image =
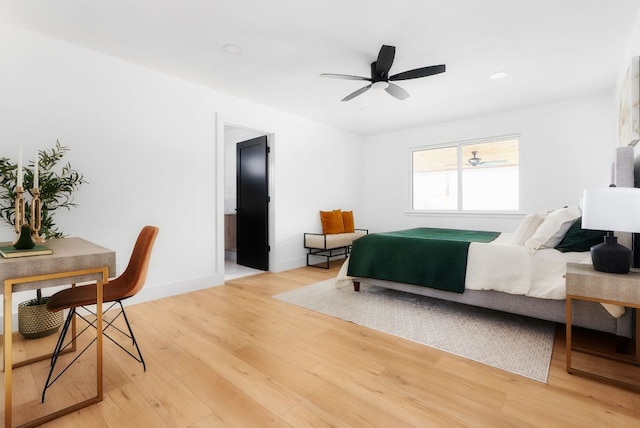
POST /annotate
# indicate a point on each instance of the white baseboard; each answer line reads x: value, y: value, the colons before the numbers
x: 159, y: 291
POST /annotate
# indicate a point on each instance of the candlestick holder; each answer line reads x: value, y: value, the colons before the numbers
x: 19, y: 209
x: 36, y: 216
x: 24, y: 241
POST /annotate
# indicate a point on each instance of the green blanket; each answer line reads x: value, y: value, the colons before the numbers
x: 435, y: 258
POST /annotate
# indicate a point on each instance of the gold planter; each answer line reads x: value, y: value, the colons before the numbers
x: 36, y: 321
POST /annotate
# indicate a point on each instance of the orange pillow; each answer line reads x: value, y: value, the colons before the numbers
x: 347, y: 221
x: 331, y: 222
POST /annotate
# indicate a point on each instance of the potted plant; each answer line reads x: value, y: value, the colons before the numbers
x: 56, y: 187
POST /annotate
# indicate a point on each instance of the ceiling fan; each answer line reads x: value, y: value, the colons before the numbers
x: 475, y: 160
x: 380, y: 78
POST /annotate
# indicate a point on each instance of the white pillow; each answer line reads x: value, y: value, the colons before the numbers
x: 553, y: 228
x: 527, y: 228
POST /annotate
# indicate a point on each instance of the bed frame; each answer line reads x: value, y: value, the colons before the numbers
x: 585, y: 314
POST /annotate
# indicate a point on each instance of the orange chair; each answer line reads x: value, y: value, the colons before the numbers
x: 126, y: 285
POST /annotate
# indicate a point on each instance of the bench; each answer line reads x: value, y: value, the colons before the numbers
x: 327, y: 246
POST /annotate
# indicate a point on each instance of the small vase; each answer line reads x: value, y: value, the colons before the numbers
x: 25, y: 240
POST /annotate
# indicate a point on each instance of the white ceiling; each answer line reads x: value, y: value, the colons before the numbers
x: 552, y: 50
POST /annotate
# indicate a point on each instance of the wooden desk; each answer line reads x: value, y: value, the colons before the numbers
x: 73, y: 260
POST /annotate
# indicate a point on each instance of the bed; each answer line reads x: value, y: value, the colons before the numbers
x: 479, y: 274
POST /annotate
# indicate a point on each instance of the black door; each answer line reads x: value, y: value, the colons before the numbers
x: 252, y: 204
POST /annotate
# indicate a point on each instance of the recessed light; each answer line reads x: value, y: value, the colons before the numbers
x: 232, y: 48
x: 499, y: 75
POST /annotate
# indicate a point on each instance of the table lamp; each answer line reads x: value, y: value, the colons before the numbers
x: 612, y: 209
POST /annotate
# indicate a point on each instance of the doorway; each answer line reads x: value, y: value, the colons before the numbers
x: 240, y: 242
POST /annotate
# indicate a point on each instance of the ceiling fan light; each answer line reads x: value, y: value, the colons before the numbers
x: 474, y: 160
x: 380, y: 85
x: 232, y: 48
x: 498, y: 75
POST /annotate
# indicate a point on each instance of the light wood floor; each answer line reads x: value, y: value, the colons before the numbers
x: 233, y: 356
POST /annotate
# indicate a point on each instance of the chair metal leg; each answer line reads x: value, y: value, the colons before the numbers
x: 58, y: 348
x: 133, y: 338
x: 61, y: 347
x: 60, y: 344
x: 130, y: 335
x: 63, y: 334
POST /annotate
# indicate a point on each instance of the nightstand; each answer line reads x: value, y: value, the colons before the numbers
x: 585, y: 283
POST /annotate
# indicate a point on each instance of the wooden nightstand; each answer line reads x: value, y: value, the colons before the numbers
x: 585, y: 283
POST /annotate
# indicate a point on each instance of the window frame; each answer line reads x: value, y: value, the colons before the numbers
x: 459, y: 211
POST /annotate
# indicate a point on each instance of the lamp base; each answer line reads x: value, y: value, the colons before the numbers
x: 610, y: 256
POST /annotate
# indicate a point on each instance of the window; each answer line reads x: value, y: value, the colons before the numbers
x: 469, y: 176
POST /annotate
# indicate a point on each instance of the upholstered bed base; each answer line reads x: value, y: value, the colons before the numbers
x: 585, y: 314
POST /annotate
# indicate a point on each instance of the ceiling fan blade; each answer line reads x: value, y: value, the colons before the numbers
x: 397, y: 92
x: 385, y: 59
x: 356, y: 93
x: 344, y: 76
x: 419, y: 72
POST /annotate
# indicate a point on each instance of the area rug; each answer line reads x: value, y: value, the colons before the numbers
x: 509, y: 342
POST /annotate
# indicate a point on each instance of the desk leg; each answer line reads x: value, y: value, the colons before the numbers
x: 7, y: 353
x: 8, y: 289
x: 568, y: 336
x: 99, y: 371
x: 635, y: 334
x: 99, y: 291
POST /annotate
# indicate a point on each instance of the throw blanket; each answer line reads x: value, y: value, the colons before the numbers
x: 435, y: 258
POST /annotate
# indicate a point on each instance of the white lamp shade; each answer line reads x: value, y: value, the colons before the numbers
x: 613, y: 209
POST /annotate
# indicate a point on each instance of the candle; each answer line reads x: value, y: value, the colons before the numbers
x: 19, y: 179
x: 36, y: 180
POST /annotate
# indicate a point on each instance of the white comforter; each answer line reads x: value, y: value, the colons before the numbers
x: 512, y: 269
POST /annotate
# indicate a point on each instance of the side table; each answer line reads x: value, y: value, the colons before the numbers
x: 585, y: 283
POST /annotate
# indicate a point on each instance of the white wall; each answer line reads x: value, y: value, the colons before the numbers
x: 564, y: 148
x: 632, y: 50
x: 146, y: 143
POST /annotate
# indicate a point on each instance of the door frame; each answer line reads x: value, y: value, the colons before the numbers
x: 220, y: 123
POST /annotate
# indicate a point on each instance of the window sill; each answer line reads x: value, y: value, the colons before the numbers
x: 468, y: 214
